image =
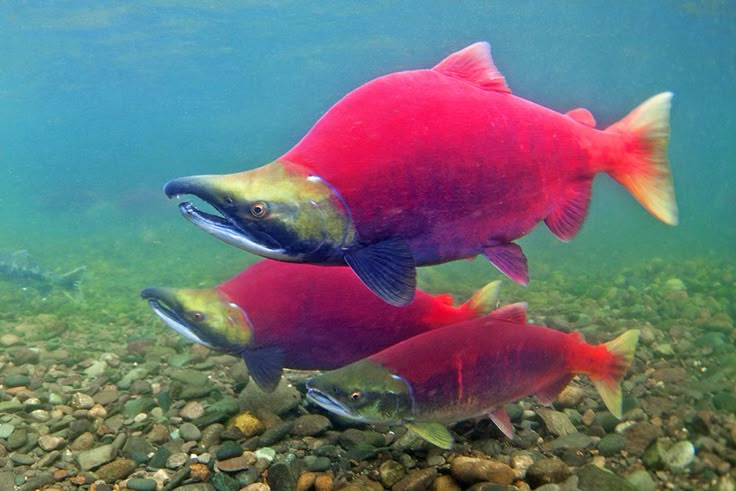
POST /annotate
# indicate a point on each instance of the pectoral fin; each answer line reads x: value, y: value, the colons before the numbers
x: 510, y: 260
x: 387, y: 269
x: 265, y: 366
x: 434, y: 433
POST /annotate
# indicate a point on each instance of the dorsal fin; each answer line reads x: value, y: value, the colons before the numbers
x: 582, y: 116
x: 515, y: 312
x: 474, y: 65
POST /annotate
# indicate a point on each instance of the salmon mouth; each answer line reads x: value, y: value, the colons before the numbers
x: 160, y: 302
x: 330, y: 404
x: 229, y: 232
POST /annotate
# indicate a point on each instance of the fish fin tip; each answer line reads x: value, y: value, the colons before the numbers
x: 387, y: 268
x: 515, y: 312
x: 485, y: 300
x: 474, y: 64
x: 645, y: 170
x: 582, y: 116
x: 549, y: 393
x: 565, y: 220
x: 435, y: 433
x: 608, y: 384
x: 510, y: 260
x: 265, y: 366
x: 501, y: 419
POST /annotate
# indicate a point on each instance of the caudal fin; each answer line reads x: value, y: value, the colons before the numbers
x: 644, y: 170
x: 72, y: 280
x: 484, y: 300
x: 608, y: 381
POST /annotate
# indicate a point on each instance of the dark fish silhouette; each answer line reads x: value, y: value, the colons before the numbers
x: 16, y: 268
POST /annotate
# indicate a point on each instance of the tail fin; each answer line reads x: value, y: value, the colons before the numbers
x: 645, y: 171
x: 72, y: 280
x: 608, y: 384
x: 484, y: 300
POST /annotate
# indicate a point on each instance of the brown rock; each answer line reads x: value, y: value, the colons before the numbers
x: 639, y: 436
x: 419, y: 480
x: 445, y: 483
x: 469, y: 470
x: 306, y: 481
x: 238, y: 463
x: 547, y: 471
x: 116, y: 470
x: 570, y: 397
x: 324, y: 482
x: 200, y: 472
x: 671, y: 375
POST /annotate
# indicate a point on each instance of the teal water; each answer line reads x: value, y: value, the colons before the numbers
x: 101, y: 103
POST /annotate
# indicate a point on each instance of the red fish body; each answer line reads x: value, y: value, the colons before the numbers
x: 471, y: 369
x: 301, y: 316
x: 428, y: 166
x: 451, y: 161
x: 324, y: 318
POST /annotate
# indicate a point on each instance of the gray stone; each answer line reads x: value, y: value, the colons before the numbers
x: 611, y: 444
x: 6, y: 429
x: 189, y: 432
x: 311, y: 425
x: 228, y: 450
x: 38, y: 482
x: 639, y: 436
x: 106, y: 396
x: 280, y: 477
x: 7, y: 480
x: 176, y: 460
x: 285, y: 398
x: 188, y: 376
x: 22, y: 458
x: 593, y: 477
x: 220, y: 411
x: 137, y: 448
x: 138, y: 484
x: 82, y: 401
x: 50, y: 442
x: 556, y: 422
x: 17, y: 380
x: 192, y: 410
x: 17, y: 439
x: 276, y: 433
x: 391, y: 472
x: 135, y: 374
x: 641, y: 480
x: 575, y: 440
x: 317, y: 464
x: 95, y: 457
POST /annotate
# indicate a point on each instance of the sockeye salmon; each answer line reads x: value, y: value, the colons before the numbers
x: 469, y: 370
x: 424, y: 167
x: 301, y: 316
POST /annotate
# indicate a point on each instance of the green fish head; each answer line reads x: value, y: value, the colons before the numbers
x: 364, y: 391
x: 279, y: 211
x: 205, y: 316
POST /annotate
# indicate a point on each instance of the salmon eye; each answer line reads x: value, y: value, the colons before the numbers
x: 355, y: 395
x: 228, y: 201
x: 259, y: 209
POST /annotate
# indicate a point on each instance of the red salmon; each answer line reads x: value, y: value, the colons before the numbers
x: 301, y: 316
x: 428, y: 166
x: 469, y: 370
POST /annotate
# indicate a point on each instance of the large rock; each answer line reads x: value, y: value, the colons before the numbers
x: 470, y: 470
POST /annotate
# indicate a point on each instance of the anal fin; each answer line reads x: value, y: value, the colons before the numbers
x: 550, y: 392
x: 387, y: 268
x: 565, y: 220
x: 510, y: 260
x: 500, y: 418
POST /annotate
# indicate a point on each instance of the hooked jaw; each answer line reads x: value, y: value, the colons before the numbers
x: 278, y: 211
x: 204, y: 316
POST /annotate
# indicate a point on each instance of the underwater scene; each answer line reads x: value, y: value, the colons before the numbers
x: 282, y: 245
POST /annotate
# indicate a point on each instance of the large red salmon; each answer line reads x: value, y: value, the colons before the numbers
x: 468, y: 370
x: 428, y: 166
x: 277, y: 315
